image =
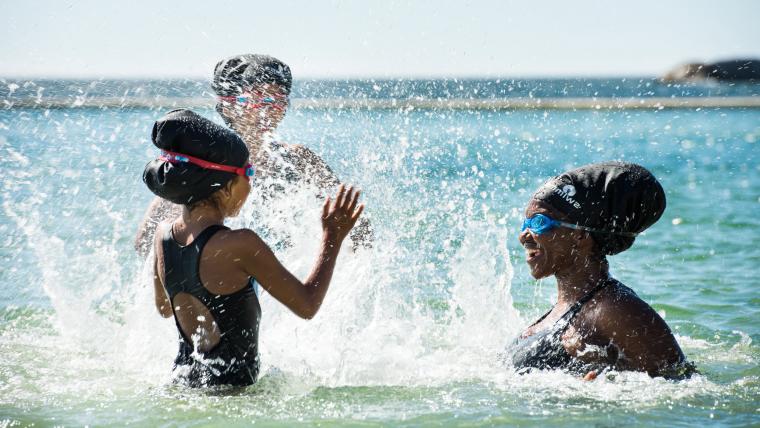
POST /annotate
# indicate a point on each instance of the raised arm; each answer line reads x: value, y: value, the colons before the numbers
x: 304, y: 299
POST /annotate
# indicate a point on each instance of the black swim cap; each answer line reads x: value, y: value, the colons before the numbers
x: 183, y: 131
x: 614, y: 197
x: 236, y: 74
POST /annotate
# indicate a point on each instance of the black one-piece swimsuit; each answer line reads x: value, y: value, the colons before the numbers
x: 235, y: 359
x: 544, y: 349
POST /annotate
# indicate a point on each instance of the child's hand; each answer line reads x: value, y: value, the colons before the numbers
x: 340, y: 216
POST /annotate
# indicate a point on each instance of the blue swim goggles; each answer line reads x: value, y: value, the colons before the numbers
x: 540, y: 224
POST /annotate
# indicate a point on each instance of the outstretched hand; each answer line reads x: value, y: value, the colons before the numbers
x: 339, y: 215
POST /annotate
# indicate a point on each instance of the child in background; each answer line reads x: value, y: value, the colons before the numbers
x: 253, y: 96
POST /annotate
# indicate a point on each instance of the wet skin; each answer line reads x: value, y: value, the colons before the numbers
x: 253, y: 123
x: 257, y: 118
x: 553, y: 251
x: 232, y: 257
x: 615, y: 328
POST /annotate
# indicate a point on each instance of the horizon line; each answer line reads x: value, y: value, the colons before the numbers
x: 408, y: 104
x: 347, y: 77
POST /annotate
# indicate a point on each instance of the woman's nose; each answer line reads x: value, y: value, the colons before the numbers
x: 524, y: 236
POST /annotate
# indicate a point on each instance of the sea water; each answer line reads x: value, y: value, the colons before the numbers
x: 411, y: 329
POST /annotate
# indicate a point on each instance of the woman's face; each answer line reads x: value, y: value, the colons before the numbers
x: 551, y: 252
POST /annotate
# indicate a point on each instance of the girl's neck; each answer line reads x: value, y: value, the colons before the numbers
x: 572, y: 286
x: 198, y: 219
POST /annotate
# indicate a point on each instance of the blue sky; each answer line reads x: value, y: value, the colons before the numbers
x: 370, y: 38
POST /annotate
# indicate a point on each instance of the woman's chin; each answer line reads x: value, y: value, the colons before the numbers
x: 538, y: 275
x: 537, y: 272
x: 540, y: 265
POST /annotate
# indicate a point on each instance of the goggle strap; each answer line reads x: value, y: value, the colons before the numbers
x: 591, y: 229
x: 243, y: 100
x: 179, y: 157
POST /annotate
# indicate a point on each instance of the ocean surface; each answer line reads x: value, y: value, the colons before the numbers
x: 14, y: 89
x: 411, y: 330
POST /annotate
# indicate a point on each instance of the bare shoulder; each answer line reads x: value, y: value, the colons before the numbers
x: 302, y: 152
x: 305, y: 153
x: 618, y: 302
x: 236, y: 241
x: 614, y: 295
x: 622, y: 300
x: 619, y: 312
x: 297, y: 147
x: 312, y: 167
x: 296, y: 154
x: 239, y: 250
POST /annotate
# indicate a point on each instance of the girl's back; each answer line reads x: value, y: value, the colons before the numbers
x: 218, y: 320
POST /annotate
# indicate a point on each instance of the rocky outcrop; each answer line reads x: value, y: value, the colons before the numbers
x: 738, y: 70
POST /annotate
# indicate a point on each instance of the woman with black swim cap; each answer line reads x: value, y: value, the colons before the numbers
x: 207, y: 275
x: 572, y: 223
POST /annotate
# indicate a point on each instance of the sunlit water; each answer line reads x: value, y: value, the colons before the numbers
x: 411, y: 329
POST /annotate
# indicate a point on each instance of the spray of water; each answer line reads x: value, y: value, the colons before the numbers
x: 429, y: 305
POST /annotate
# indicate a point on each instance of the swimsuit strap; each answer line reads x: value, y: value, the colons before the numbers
x: 575, y: 306
x: 182, y: 264
x: 564, y: 321
x: 545, y: 349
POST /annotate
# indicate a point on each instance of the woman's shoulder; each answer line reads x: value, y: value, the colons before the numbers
x: 637, y: 330
x: 617, y: 295
x: 618, y: 302
x: 619, y: 307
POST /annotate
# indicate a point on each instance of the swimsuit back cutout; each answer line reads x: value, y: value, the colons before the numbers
x: 234, y: 359
x: 544, y: 349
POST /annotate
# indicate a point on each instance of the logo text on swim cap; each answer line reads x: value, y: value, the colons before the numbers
x: 567, y: 192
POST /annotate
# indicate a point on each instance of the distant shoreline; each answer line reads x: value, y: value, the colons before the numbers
x: 516, y: 103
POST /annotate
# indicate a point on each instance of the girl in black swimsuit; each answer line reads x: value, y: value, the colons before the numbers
x: 573, y: 222
x: 207, y: 275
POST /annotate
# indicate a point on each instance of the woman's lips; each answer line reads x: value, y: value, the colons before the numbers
x: 532, y: 255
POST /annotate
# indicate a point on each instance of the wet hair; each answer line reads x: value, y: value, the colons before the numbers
x: 619, y: 199
x: 186, y: 132
x: 240, y: 73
